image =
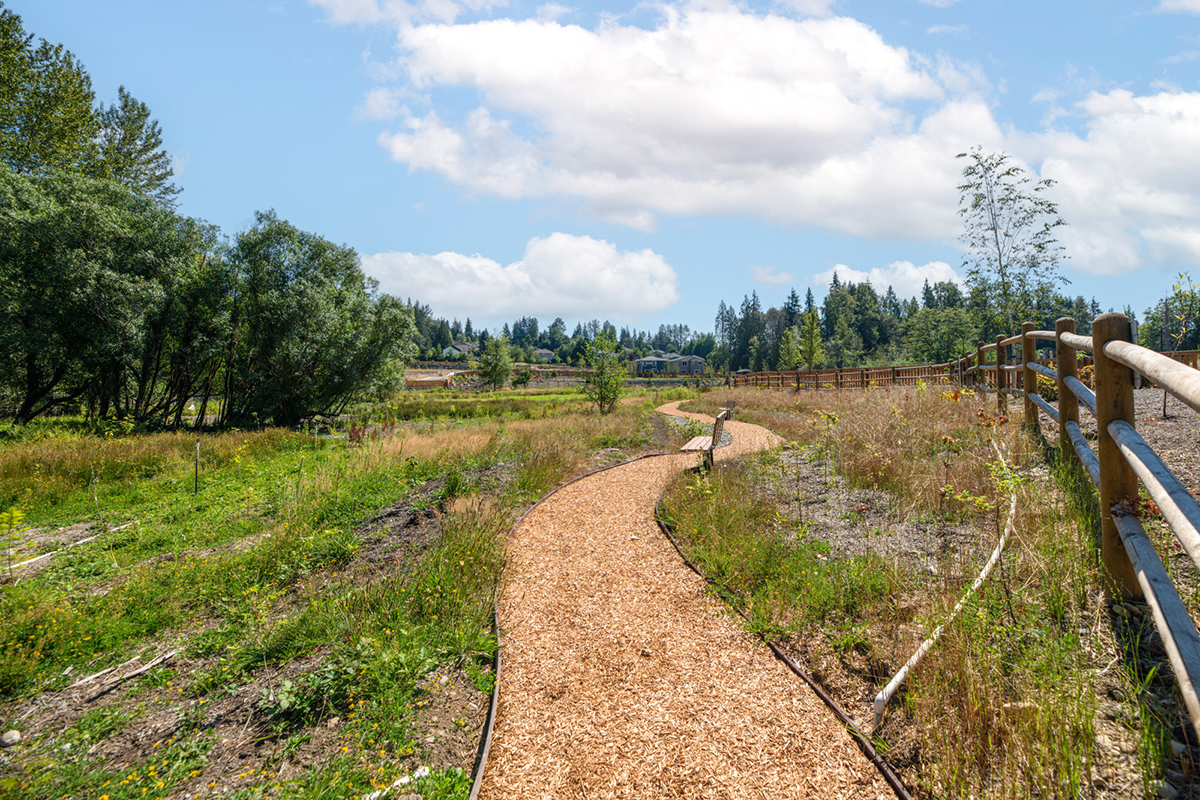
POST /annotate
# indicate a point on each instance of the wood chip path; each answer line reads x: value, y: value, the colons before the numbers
x: 622, y: 678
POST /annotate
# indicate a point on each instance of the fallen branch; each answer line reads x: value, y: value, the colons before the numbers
x: 134, y: 674
x: 101, y: 673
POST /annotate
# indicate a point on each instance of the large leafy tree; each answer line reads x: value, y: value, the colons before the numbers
x: 86, y: 268
x: 1008, y: 229
x: 131, y: 148
x: 47, y: 116
x: 308, y: 330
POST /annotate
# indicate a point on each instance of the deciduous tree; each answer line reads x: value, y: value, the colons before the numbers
x: 309, y: 331
x: 606, y: 378
x: 131, y: 149
x: 47, y: 117
x: 1009, y: 233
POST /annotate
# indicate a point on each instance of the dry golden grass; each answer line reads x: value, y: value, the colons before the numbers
x: 910, y: 441
x: 1005, y: 704
x: 43, y: 471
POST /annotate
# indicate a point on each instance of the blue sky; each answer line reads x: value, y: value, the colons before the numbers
x: 642, y: 162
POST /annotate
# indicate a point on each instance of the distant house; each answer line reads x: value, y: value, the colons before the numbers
x: 460, y: 349
x: 542, y: 354
x: 651, y: 364
x: 671, y: 363
x: 686, y: 365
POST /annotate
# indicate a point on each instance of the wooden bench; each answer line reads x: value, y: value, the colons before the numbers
x: 728, y: 409
x: 706, y: 444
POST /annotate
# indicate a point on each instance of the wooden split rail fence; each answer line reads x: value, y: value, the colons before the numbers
x: 871, y: 377
x: 1121, y: 459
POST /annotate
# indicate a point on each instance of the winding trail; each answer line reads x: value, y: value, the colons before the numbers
x: 623, y: 678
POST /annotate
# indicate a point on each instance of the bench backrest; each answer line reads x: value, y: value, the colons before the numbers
x: 718, y: 426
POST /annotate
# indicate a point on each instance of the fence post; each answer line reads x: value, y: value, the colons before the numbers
x: 862, y: 377
x: 1068, y: 403
x: 980, y: 375
x: 1028, y: 378
x: 1001, y: 377
x: 1114, y: 400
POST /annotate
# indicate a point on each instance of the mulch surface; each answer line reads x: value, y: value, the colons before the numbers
x: 623, y: 678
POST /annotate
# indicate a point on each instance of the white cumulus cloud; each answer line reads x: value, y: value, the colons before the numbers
x: 809, y: 120
x: 714, y: 110
x: 905, y: 277
x: 560, y: 275
x: 1128, y: 185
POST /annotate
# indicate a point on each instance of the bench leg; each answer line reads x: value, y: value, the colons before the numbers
x: 708, y: 459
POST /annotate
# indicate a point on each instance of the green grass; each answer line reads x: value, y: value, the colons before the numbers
x: 450, y: 404
x: 761, y: 562
x: 262, y: 568
x: 1004, y: 705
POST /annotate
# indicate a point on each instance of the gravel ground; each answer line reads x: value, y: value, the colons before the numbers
x: 1175, y: 438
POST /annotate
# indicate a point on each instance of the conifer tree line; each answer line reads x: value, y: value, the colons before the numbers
x: 856, y: 326
x: 113, y: 303
x: 525, y: 336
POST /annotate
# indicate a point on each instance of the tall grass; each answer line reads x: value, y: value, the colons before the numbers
x: 274, y: 508
x: 263, y: 567
x: 760, y: 560
x: 928, y: 445
x: 42, y: 472
x: 1004, y: 705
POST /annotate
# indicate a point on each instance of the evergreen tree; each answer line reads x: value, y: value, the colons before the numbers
x: 789, y: 352
x: 927, y: 298
x: 791, y: 309
x: 749, y: 326
x: 811, y: 352
x: 891, y: 303
x: 495, y: 363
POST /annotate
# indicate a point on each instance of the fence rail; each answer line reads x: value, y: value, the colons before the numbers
x: 971, y: 364
x: 1121, y: 459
